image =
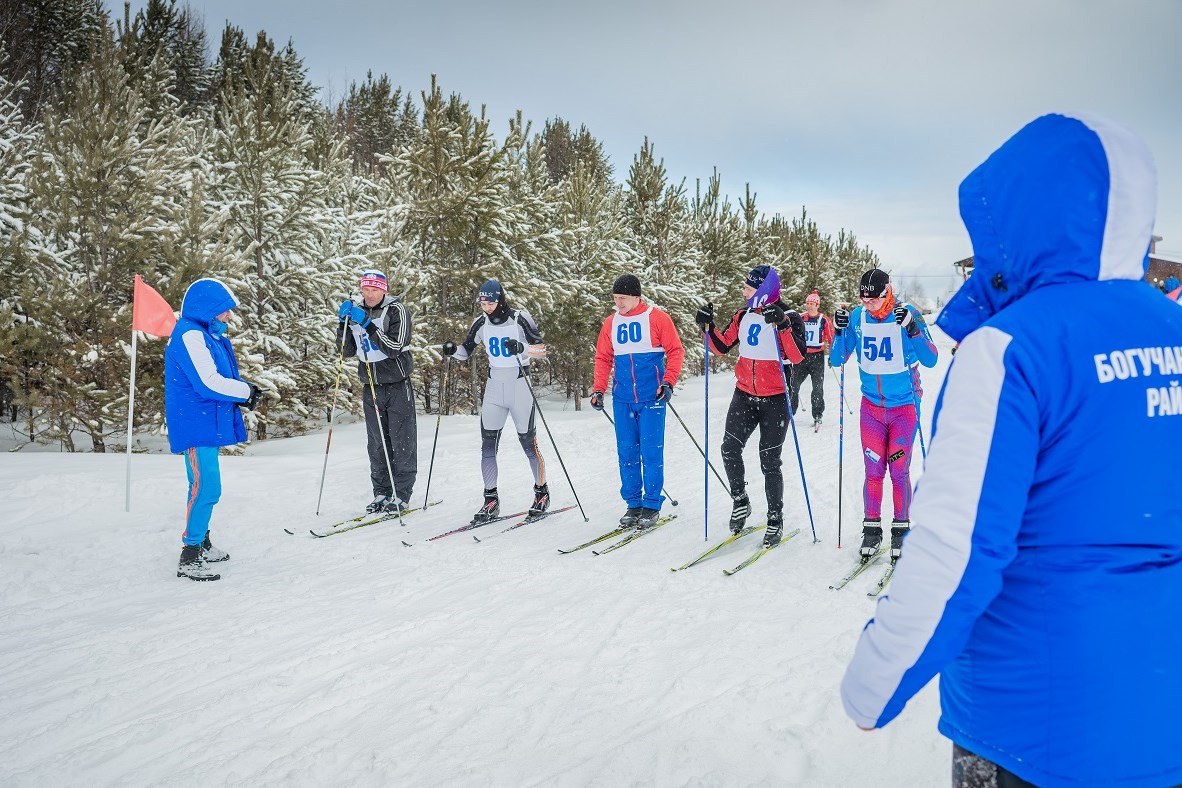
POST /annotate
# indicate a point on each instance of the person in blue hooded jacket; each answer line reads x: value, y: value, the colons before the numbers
x: 202, y: 392
x: 1042, y: 575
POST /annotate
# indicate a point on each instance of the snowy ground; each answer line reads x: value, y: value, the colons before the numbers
x: 357, y: 661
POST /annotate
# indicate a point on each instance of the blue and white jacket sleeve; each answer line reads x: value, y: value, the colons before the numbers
x: 922, y: 345
x: 202, y: 372
x: 966, y: 517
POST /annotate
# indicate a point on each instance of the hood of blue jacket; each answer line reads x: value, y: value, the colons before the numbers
x: 206, y: 299
x: 1066, y: 199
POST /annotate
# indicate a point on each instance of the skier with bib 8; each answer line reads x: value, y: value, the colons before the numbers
x: 891, y: 340
x: 511, y: 339
x: 766, y: 334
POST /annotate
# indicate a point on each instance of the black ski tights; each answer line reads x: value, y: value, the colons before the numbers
x: 746, y: 413
x: 973, y: 771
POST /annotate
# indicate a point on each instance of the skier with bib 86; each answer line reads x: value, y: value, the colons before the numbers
x: 890, y: 338
x: 766, y: 334
x: 511, y: 338
x: 640, y: 345
x: 379, y: 335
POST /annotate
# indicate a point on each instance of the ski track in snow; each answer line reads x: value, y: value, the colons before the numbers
x: 358, y: 661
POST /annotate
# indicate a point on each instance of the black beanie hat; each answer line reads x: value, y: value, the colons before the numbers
x: 627, y: 284
x: 874, y: 283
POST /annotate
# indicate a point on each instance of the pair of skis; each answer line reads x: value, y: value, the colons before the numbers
x: 759, y: 553
x: 629, y: 533
x: 480, y: 524
x: 361, y: 521
x: 862, y: 566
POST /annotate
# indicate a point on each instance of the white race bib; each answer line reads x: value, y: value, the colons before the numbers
x: 367, y: 350
x: 494, y: 343
x: 882, y: 351
x: 757, y: 339
x: 812, y: 332
x: 632, y: 334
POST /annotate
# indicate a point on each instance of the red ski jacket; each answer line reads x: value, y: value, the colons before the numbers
x: 760, y: 378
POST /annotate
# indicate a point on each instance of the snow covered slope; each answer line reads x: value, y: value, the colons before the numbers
x: 357, y: 661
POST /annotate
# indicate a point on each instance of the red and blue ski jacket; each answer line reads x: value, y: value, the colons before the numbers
x: 643, y: 351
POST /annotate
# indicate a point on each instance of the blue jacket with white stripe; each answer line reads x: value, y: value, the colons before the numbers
x: 1044, y: 569
x: 201, y: 383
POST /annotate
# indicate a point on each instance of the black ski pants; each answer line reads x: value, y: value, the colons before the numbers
x: 972, y: 771
x: 813, y: 366
x: 398, y: 433
x: 746, y: 413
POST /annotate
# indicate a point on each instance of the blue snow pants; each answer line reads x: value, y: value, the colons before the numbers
x: 640, y: 444
x: 205, y: 488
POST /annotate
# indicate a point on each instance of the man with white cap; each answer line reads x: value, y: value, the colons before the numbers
x: 379, y: 336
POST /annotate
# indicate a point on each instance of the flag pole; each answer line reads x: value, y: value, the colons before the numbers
x: 130, y: 417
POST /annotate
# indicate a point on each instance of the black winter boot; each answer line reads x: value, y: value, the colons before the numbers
x: 871, y: 537
x: 740, y: 511
x: 211, y: 554
x: 541, y: 500
x: 490, y: 509
x: 192, y: 567
x: 775, y: 529
x: 899, y: 529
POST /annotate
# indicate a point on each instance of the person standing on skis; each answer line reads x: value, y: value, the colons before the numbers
x: 201, y: 391
x: 511, y: 338
x: 379, y: 335
x: 891, y: 339
x: 640, y: 345
x: 818, y: 337
x: 766, y: 334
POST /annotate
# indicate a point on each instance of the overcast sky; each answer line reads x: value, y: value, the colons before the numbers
x: 867, y: 113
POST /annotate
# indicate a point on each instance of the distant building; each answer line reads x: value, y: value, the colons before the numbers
x: 1161, y: 266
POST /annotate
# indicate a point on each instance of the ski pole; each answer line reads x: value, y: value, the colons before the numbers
x: 550, y: 435
x: 382, y: 436
x: 796, y: 440
x: 332, y: 411
x: 706, y: 438
x: 840, y: 383
x: 672, y: 500
x: 709, y: 464
x: 840, y: 447
x: 919, y: 423
x: 438, y: 418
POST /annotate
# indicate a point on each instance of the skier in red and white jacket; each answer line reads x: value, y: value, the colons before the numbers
x: 766, y: 334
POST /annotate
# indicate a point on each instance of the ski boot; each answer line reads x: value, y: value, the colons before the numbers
x: 378, y: 504
x: 775, y: 529
x: 871, y: 537
x: 628, y: 520
x: 396, y: 506
x: 541, y: 500
x: 490, y: 509
x: 211, y: 554
x: 899, y: 529
x: 817, y: 424
x: 740, y: 511
x: 647, y: 518
x: 192, y: 567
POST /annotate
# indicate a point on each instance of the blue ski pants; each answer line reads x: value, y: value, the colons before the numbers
x: 205, y: 489
x: 640, y: 444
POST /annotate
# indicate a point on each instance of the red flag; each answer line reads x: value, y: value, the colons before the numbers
x: 150, y: 313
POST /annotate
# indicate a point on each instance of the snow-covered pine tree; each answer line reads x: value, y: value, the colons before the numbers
x: 276, y: 202
x: 669, y: 259
x: 105, y: 188
x: 46, y: 41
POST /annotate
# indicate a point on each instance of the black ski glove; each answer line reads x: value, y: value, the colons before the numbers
x: 597, y: 400
x: 774, y: 314
x: 665, y: 393
x: 513, y: 347
x: 841, y: 319
x: 904, y: 318
x: 252, y: 401
x: 705, y: 316
x: 449, y: 348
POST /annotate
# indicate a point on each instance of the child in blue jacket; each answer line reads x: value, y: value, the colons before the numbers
x: 202, y: 390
